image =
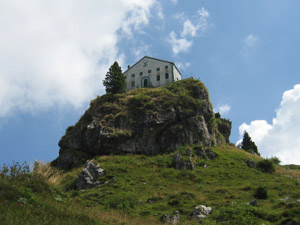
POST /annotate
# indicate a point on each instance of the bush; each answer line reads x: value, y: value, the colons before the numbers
x: 261, y: 193
x: 266, y: 166
x: 275, y: 160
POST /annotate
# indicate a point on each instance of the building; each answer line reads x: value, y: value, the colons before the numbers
x: 151, y: 72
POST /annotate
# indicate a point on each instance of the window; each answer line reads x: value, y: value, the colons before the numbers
x: 132, y: 75
x: 149, y: 71
x: 158, y: 77
x: 132, y: 84
x: 167, y: 75
x: 141, y: 73
x: 166, y: 67
x: 157, y: 69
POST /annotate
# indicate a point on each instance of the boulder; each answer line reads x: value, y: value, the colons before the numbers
x: 171, y: 219
x: 87, y: 179
x: 205, y: 153
x: 250, y: 162
x: 201, y: 212
x: 180, y: 164
x: 210, y: 154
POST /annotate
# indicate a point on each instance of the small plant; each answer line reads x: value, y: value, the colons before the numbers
x: 266, y: 166
x: 261, y: 193
x: 275, y: 160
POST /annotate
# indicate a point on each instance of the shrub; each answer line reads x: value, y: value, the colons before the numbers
x: 275, y: 160
x: 266, y: 166
x: 261, y: 193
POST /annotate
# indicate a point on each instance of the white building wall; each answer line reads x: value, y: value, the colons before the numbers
x: 157, y: 73
x: 176, y: 73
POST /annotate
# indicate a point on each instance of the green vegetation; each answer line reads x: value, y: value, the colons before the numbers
x: 138, y: 189
x: 114, y: 80
x: 249, y: 145
x: 266, y: 165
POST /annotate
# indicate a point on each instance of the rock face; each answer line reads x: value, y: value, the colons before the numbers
x: 145, y: 121
x: 87, y: 179
x: 201, y: 212
x: 171, y: 219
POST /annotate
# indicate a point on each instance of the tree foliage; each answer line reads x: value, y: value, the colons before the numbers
x: 248, y: 144
x: 114, y: 81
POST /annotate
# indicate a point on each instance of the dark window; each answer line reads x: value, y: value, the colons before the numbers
x: 149, y: 71
x: 158, y: 77
x: 158, y: 69
x: 141, y: 73
x: 132, y: 75
x: 167, y: 75
x: 166, y: 67
x: 132, y: 84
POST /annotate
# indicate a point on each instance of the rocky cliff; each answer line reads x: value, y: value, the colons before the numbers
x: 144, y: 121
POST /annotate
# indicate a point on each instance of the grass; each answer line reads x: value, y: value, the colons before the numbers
x: 142, y: 188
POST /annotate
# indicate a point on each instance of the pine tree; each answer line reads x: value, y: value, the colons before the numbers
x: 114, y: 80
x: 248, y: 144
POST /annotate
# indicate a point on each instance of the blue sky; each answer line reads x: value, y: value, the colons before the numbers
x: 54, y: 56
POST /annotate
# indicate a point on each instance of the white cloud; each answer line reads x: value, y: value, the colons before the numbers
x: 224, y: 109
x: 183, y: 66
x: 281, y: 138
x: 141, y: 50
x: 174, y: 1
x: 58, y: 52
x: 191, y: 27
x: 179, y: 44
x: 249, y: 43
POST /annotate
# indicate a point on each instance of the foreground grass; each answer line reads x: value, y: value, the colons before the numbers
x: 141, y: 188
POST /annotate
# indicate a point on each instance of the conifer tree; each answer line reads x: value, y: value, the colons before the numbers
x: 114, y: 80
x: 248, y: 144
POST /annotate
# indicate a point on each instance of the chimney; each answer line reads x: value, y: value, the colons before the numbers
x: 128, y: 66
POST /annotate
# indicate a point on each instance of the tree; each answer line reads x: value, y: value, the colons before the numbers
x: 248, y: 144
x: 114, y: 80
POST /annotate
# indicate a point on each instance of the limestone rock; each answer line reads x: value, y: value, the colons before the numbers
x: 144, y: 123
x: 171, y: 219
x: 201, y: 212
x: 250, y: 162
x: 87, y: 179
x: 205, y: 153
x: 180, y: 164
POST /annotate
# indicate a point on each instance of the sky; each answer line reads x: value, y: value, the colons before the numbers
x: 55, y: 54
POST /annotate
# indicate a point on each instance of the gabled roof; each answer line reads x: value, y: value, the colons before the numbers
x: 153, y: 59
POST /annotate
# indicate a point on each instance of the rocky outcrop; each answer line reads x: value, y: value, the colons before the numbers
x: 87, y: 179
x: 205, y: 153
x: 145, y: 121
x: 201, y: 212
x: 180, y: 163
x: 171, y: 219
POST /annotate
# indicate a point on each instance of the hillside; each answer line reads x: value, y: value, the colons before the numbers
x: 139, y: 189
x: 151, y: 156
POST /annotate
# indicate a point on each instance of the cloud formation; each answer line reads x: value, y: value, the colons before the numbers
x: 58, y: 52
x: 281, y: 138
x: 249, y: 42
x: 191, y: 27
x: 224, y: 109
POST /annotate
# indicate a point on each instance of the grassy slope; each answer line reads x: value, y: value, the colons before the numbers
x: 147, y: 187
